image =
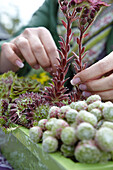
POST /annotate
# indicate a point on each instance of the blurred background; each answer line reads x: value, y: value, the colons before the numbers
x: 16, y: 13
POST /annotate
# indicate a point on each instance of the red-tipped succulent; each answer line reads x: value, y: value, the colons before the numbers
x: 84, y: 11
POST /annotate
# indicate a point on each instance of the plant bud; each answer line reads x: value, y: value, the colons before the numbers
x: 85, y: 131
x: 87, y: 152
x: 108, y: 124
x: 71, y: 115
x: 50, y: 144
x: 93, y: 13
x: 35, y: 134
x: 42, y: 124
x: 108, y: 113
x: 46, y: 134
x: 80, y: 105
x: 104, y: 139
x: 96, y: 104
x: 62, y: 113
x: 97, y: 113
x: 79, y: 9
x: 86, y: 10
x: 53, y: 112
x: 93, y: 98
x: 68, y: 151
x: 68, y: 136
x: 50, y: 123
x: 84, y: 116
x: 83, y: 21
x: 58, y: 126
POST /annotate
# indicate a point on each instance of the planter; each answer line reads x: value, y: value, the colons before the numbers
x: 23, y: 154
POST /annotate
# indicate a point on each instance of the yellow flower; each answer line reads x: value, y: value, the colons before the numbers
x: 43, y: 77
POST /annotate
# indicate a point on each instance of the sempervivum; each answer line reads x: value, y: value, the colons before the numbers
x: 87, y: 152
x: 26, y: 109
x: 67, y: 150
x: 93, y: 98
x: 80, y: 105
x: 22, y: 85
x: 35, y: 134
x: 58, y: 126
x: 85, y: 116
x: 50, y: 144
x: 108, y: 113
x: 85, y: 131
x: 6, y: 81
x: 4, y: 120
x: 104, y: 139
x: 68, y: 136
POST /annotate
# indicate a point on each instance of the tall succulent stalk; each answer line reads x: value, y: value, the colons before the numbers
x: 84, y: 11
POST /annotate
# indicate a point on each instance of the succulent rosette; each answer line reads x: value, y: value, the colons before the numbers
x: 71, y: 115
x: 67, y: 150
x: 50, y: 123
x: 108, y: 113
x: 64, y: 110
x: 46, y: 134
x: 58, y: 126
x: 104, y: 139
x: 87, y: 152
x: 97, y: 113
x: 93, y: 98
x: 96, y: 105
x: 79, y: 105
x: 50, y: 144
x: 42, y: 124
x: 85, y: 116
x: 85, y: 131
x: 108, y: 124
x: 53, y: 112
x: 35, y: 134
x: 68, y: 136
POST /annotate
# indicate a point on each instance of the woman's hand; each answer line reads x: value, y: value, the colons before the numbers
x: 97, y: 79
x: 35, y: 45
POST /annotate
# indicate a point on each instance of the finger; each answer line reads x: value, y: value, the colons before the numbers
x: 39, y: 52
x: 95, y: 71
x: 102, y: 84
x: 25, y: 49
x: 105, y: 95
x: 50, y: 47
x: 8, y: 50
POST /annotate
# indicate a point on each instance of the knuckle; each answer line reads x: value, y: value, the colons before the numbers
x: 27, y: 31
x: 21, y: 42
x: 37, y: 48
x: 51, y: 50
x: 42, y: 29
x: 111, y: 80
x: 4, y: 45
x: 102, y: 66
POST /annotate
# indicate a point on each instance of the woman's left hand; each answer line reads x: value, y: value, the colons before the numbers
x: 97, y: 79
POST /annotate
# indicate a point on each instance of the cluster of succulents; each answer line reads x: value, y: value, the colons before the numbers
x: 82, y: 130
x: 26, y: 110
x: 11, y: 86
x: 21, y: 101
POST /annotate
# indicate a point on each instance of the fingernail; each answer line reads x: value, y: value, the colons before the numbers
x: 75, y: 81
x: 19, y: 64
x: 36, y: 66
x: 82, y: 87
x: 86, y: 94
x: 48, y: 69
